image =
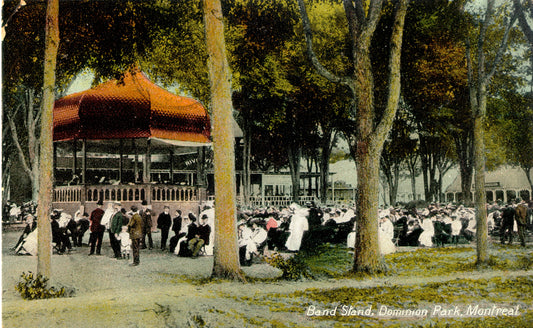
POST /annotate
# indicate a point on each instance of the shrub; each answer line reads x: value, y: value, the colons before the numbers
x: 293, y: 268
x: 35, y: 287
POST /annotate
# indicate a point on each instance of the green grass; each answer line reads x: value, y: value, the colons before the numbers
x: 332, y: 261
x: 335, y: 261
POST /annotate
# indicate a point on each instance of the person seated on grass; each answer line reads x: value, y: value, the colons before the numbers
x: 189, y: 224
x: 58, y: 234
x: 30, y: 226
x: 82, y: 225
x: 201, y: 237
x: 456, y: 230
x: 256, y: 240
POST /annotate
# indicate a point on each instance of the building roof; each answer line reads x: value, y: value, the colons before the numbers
x: 503, y: 178
x: 132, y: 107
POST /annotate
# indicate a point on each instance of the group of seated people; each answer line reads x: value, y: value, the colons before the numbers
x: 295, y: 228
x: 66, y: 228
x: 191, y: 238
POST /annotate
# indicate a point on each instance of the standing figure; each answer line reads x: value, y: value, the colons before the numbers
x: 97, y: 230
x: 521, y: 222
x: 146, y: 216
x: 164, y: 221
x: 115, y: 228
x: 135, y: 227
x: 125, y: 242
x: 507, y: 224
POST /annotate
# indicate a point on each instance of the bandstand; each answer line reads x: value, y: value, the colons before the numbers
x: 129, y: 140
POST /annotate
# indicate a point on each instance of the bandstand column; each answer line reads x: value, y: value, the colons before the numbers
x: 83, y: 171
x: 54, y: 159
x: 135, y: 160
x: 200, y: 173
x: 120, y: 164
x: 146, y: 171
x: 171, y: 154
x: 147, y: 162
x: 74, y: 157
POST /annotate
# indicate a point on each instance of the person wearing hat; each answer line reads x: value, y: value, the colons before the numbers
x: 508, y: 216
x: 146, y: 216
x: 96, y: 228
x: 135, y: 227
x: 115, y: 228
x: 30, y: 227
x: 164, y: 221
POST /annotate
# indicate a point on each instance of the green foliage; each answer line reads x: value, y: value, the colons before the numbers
x: 293, y: 268
x: 35, y: 287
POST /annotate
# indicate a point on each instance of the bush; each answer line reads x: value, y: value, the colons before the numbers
x: 293, y: 268
x: 35, y: 287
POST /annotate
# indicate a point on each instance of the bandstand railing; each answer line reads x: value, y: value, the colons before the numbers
x: 275, y: 201
x: 125, y: 193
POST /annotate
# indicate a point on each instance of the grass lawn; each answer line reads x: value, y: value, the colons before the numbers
x: 427, y: 287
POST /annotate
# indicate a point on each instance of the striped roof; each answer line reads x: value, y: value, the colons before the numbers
x: 132, y: 107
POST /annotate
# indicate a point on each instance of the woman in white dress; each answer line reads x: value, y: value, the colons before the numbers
x: 297, y: 228
x: 386, y: 233
x: 426, y: 236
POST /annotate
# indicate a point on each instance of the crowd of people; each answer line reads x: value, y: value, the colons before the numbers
x: 287, y: 229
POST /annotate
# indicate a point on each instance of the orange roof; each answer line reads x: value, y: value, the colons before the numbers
x: 130, y: 108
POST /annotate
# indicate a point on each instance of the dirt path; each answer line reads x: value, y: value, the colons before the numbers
x: 161, y: 292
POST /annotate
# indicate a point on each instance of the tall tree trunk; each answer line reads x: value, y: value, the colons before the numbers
x: 44, y: 247
x: 394, y: 191
x: 324, y: 171
x: 226, y: 257
x: 527, y: 171
x: 294, y: 166
x: 368, y: 139
x: 424, y: 159
x: 465, y: 153
x: 411, y: 164
x: 480, y: 197
x: 246, y: 167
x: 478, y: 101
x: 367, y: 256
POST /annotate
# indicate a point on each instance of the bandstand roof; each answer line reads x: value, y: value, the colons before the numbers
x: 132, y: 107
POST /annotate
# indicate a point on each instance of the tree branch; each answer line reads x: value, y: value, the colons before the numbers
x: 354, y: 16
x: 503, y: 46
x: 371, y: 22
x: 312, y: 56
x: 394, y: 75
x: 522, y: 20
x: 20, y: 152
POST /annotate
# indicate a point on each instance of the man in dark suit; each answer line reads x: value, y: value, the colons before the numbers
x: 164, y: 221
x: 508, y: 215
x: 135, y: 227
x: 97, y: 230
x: 146, y: 216
x: 201, y: 237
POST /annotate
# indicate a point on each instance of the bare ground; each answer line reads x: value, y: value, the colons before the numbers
x: 164, y: 291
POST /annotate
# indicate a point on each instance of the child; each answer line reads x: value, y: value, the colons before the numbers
x: 125, y: 242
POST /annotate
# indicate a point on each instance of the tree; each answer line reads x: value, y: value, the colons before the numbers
x: 398, y: 148
x: 524, y: 12
x: 434, y: 85
x: 46, y: 164
x: 26, y: 148
x: 478, y: 82
x: 226, y: 257
x: 370, y: 134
